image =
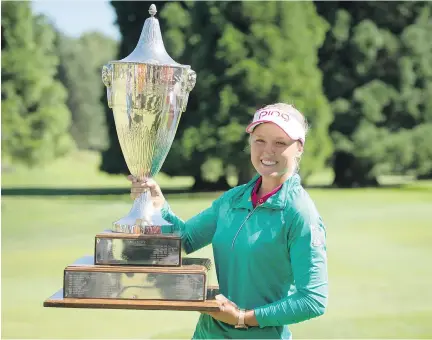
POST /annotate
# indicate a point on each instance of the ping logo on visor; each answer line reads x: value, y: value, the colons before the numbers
x: 290, y: 125
x: 267, y: 113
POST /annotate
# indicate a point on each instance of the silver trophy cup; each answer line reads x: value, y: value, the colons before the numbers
x: 147, y: 92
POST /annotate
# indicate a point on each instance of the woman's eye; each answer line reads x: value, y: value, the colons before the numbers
x: 281, y: 143
x: 259, y: 140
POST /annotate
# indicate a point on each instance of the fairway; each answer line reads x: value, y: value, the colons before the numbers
x: 379, y: 247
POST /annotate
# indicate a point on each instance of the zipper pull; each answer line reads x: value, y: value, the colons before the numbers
x: 241, y: 226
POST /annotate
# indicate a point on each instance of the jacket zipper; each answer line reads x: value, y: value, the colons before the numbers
x: 241, y: 226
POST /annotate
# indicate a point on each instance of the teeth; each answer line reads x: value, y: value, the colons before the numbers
x: 268, y: 162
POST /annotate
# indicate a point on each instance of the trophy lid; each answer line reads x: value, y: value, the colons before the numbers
x: 150, y: 48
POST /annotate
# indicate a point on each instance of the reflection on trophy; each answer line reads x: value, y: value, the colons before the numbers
x: 147, y: 91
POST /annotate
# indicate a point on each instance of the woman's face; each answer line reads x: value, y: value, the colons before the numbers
x: 273, y: 152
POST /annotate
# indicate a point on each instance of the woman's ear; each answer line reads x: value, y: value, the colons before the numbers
x: 299, y: 149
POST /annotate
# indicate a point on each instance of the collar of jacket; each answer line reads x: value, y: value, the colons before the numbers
x: 277, y: 201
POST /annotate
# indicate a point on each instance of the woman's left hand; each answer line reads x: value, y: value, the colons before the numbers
x: 228, y: 311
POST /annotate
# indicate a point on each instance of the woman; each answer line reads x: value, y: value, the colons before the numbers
x: 268, y: 238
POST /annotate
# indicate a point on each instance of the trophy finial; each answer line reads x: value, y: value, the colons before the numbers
x: 152, y: 10
x: 150, y: 48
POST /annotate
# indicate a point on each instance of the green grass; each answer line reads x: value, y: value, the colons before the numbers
x: 379, y: 249
x: 79, y: 170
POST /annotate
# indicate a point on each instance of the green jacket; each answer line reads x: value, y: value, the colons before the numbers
x: 275, y: 264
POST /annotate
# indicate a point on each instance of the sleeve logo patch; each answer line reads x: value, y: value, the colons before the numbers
x: 318, y: 236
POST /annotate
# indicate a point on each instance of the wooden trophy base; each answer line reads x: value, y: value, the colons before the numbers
x: 209, y: 305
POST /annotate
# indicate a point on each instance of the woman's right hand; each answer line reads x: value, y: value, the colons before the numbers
x: 138, y: 187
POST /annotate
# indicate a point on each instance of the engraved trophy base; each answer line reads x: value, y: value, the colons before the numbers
x: 184, y: 288
x: 163, y: 250
x: 83, y: 279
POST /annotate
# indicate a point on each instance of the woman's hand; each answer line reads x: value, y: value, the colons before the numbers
x: 138, y: 187
x: 228, y: 311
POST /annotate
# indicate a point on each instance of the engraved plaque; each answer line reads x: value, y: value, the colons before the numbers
x: 135, y: 249
x: 185, y: 283
x: 141, y: 286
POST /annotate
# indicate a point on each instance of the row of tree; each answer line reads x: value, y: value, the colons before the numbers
x: 51, y: 88
x: 239, y: 51
x: 360, y: 71
x: 376, y: 63
x: 35, y: 118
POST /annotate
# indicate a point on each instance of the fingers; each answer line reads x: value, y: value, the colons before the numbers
x: 221, y: 305
x: 137, y: 187
x: 223, y: 302
x: 132, y: 178
x: 141, y: 186
x: 153, y: 187
x: 222, y: 298
x: 136, y: 183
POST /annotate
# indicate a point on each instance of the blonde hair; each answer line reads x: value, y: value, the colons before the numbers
x: 297, y: 115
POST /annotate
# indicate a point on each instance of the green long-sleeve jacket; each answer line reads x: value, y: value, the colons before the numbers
x: 273, y: 262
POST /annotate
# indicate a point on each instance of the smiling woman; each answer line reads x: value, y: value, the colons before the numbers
x: 269, y: 241
x: 278, y: 134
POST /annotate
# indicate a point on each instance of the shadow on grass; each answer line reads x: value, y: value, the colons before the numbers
x: 108, y: 194
x: 76, y: 191
x: 185, y: 192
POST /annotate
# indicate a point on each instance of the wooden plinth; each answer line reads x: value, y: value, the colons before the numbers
x: 209, y: 305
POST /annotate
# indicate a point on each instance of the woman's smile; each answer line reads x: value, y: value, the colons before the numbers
x: 268, y: 163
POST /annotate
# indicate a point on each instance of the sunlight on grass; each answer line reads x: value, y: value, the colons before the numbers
x: 78, y: 170
x: 377, y: 243
x: 378, y: 250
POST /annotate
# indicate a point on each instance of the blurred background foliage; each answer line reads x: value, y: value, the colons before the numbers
x: 361, y: 72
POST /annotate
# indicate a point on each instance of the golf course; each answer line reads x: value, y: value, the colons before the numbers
x: 379, y: 243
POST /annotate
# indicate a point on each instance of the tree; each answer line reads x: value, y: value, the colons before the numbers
x: 246, y: 55
x: 35, y: 118
x: 80, y: 71
x: 377, y: 75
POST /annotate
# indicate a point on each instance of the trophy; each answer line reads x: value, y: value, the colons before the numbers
x: 132, y: 267
x: 147, y: 92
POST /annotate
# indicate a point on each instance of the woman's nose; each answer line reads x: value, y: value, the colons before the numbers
x: 269, y: 149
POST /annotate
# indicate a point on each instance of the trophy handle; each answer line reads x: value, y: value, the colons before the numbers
x: 107, y: 74
x: 188, y: 86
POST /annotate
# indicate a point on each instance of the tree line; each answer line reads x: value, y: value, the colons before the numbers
x: 360, y: 71
x: 51, y: 88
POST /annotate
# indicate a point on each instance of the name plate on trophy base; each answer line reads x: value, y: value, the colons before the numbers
x: 84, y: 280
x: 138, y: 249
